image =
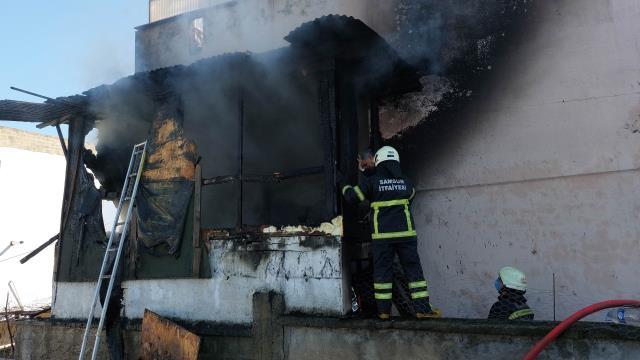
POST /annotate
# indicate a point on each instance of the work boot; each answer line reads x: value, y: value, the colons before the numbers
x: 384, y: 316
x: 433, y: 314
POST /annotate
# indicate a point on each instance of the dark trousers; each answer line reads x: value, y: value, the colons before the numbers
x: 407, y: 251
x: 113, y: 321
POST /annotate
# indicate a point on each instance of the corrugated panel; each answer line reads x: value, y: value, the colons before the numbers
x: 33, y: 112
x: 162, y: 9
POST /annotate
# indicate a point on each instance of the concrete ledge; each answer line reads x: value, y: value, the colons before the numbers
x: 581, y: 330
x: 203, y: 328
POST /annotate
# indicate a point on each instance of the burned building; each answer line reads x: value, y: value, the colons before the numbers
x: 528, y: 159
x: 239, y: 190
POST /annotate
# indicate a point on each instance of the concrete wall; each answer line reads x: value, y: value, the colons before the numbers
x: 246, y: 25
x: 441, y: 339
x: 540, y: 170
x: 61, y: 340
x: 307, y: 270
x: 31, y: 184
x: 32, y: 170
x: 273, y: 336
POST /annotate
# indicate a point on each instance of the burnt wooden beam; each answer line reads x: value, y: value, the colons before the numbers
x: 62, y: 143
x: 271, y: 178
x: 75, y: 150
x: 327, y: 103
x: 239, y: 220
x: 375, y: 140
x: 39, y: 249
x: 132, y: 246
x: 197, y: 248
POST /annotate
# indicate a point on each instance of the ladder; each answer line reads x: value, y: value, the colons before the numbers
x: 129, y: 191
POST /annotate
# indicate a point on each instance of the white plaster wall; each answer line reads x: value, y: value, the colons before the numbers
x: 542, y: 173
x: 252, y: 25
x: 309, y: 278
x: 31, y: 186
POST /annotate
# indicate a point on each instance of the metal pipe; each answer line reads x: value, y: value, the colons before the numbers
x: 64, y: 102
x: 14, y: 292
x: 31, y: 93
x: 554, y: 296
x: 11, y: 243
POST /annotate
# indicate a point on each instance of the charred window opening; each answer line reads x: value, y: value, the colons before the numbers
x: 197, y: 39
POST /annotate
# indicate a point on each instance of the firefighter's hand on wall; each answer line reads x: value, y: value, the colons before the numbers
x: 361, y: 163
x: 340, y: 179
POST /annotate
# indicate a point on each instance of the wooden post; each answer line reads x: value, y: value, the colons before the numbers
x: 133, y: 246
x: 375, y: 140
x: 328, y: 115
x: 197, y: 248
x: 268, y: 332
x: 75, y: 147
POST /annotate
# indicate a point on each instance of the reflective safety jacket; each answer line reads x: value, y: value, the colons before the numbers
x: 511, y: 306
x: 390, y: 196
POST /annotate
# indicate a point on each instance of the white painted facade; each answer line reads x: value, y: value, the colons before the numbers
x: 544, y: 171
x: 310, y: 279
x: 31, y: 186
x: 32, y: 171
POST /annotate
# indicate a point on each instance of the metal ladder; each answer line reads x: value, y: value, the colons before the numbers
x: 129, y: 191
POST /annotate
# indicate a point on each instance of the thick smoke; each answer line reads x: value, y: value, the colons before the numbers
x: 274, y: 99
x: 444, y: 40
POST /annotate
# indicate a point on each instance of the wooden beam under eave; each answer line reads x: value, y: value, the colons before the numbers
x: 55, y: 122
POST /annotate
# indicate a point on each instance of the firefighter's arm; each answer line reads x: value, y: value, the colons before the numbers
x: 494, y: 312
x: 353, y: 194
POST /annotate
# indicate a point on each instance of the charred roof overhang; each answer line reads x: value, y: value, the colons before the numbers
x: 46, y: 112
x: 380, y: 71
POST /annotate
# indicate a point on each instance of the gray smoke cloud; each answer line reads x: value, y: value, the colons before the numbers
x: 438, y: 37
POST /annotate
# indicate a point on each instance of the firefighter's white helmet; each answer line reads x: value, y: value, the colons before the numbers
x: 513, y: 278
x: 386, y: 153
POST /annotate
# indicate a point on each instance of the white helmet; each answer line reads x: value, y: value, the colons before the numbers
x: 386, y: 153
x: 513, y: 278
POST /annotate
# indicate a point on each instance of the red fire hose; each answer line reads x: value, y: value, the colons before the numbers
x: 564, y: 325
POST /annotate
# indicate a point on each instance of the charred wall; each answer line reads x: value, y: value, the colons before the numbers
x: 536, y: 165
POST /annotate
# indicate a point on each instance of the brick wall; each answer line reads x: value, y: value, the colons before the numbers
x: 26, y: 140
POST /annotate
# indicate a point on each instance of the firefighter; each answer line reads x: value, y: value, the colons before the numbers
x: 511, y: 305
x: 393, y: 232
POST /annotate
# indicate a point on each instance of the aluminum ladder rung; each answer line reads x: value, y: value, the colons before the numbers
x: 134, y: 172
